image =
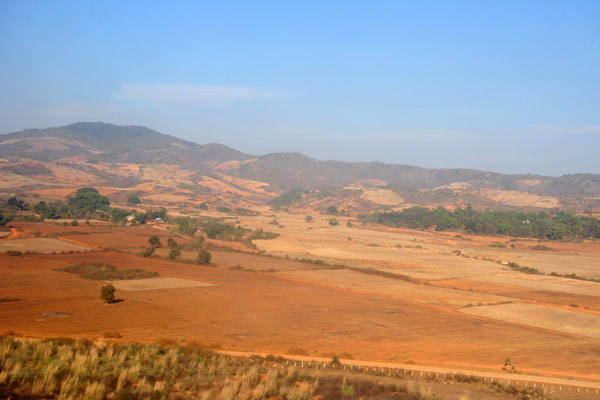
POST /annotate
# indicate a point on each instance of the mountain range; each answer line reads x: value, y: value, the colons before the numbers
x: 86, y: 146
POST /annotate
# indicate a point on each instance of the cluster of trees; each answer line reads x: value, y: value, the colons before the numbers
x: 10, y: 208
x: 84, y: 204
x: 212, y: 229
x: 554, y: 225
x: 203, y: 257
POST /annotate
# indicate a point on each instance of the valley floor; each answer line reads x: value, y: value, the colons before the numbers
x: 379, y: 295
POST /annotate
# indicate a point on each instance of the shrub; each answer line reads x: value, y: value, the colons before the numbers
x: 332, y: 210
x: 171, y: 243
x: 107, y: 293
x: 259, y: 233
x: 541, y: 247
x: 174, y: 253
x: 147, y: 252
x: 203, y: 257
x: 335, y: 359
x: 134, y: 200
x: 154, y: 241
x: 112, y: 335
x: 333, y: 221
x: 309, y: 218
x: 223, y: 209
x: 100, y: 272
x: 74, y: 223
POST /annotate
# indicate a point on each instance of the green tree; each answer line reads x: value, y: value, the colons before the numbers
x: 203, y: 257
x: 333, y: 221
x: 154, y: 241
x: 107, y: 293
x: 4, y: 218
x: 171, y: 243
x: 203, y: 206
x: 87, y: 201
x: 309, y: 218
x: 12, y: 202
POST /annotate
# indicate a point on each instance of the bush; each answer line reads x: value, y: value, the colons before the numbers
x: 309, y: 218
x: 332, y: 210
x: 174, y: 253
x: 107, y: 293
x: 74, y: 223
x: 133, y: 200
x: 203, y: 257
x: 333, y: 221
x: 171, y: 243
x: 147, y: 252
x: 154, y: 241
x: 100, y: 272
x: 112, y: 335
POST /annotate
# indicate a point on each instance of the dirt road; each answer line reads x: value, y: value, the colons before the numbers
x: 557, y: 384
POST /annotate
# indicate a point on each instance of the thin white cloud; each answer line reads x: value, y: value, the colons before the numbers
x: 185, y: 94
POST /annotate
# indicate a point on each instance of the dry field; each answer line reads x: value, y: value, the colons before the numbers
x: 521, y: 199
x: 41, y: 245
x: 462, y: 308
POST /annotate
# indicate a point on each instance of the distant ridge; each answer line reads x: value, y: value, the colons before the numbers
x: 101, y: 142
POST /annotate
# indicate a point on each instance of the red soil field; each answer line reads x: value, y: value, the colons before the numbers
x: 264, y: 313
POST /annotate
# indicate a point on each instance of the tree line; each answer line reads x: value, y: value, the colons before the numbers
x: 85, y: 203
x: 553, y: 225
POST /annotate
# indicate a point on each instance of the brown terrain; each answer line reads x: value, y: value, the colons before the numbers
x: 466, y: 311
x: 457, y: 303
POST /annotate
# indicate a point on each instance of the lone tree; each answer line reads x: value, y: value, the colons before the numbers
x: 107, y: 293
x: 203, y: 257
x: 154, y: 241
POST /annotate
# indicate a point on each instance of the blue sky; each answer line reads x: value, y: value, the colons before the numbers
x: 507, y: 86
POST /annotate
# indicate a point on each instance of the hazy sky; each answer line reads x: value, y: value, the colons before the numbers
x: 507, y: 86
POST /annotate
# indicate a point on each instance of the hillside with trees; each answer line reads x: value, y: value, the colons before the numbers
x: 555, y: 225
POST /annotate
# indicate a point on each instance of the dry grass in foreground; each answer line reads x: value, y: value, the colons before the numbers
x: 69, y: 369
